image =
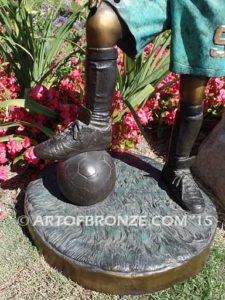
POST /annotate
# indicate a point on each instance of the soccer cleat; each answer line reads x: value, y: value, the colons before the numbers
x: 176, y: 172
x: 182, y: 185
x: 76, y: 138
x: 92, y: 131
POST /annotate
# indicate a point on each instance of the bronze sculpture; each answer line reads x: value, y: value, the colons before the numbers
x: 92, y: 131
x: 125, y: 259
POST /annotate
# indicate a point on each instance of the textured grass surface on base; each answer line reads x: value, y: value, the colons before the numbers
x: 25, y: 275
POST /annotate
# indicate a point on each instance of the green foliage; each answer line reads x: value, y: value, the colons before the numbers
x: 36, y: 49
x: 32, y: 43
x: 38, y: 52
x: 32, y: 105
x: 141, y: 76
x: 48, y: 132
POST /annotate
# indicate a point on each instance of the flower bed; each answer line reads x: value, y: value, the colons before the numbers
x: 63, y: 90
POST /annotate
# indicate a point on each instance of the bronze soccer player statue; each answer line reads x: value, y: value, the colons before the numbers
x: 197, y: 54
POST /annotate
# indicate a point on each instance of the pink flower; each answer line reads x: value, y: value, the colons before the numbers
x: 143, y: 116
x: 3, y: 158
x: 14, y: 147
x: 74, y: 60
x: 3, y: 174
x: 170, y: 115
x: 78, y: 2
x: 2, y: 132
x: 219, y: 83
x: 21, y: 128
x: 30, y: 156
x: 26, y: 142
x: 153, y: 103
x: 129, y: 120
x: 76, y: 73
x: 38, y: 92
x: 53, y: 98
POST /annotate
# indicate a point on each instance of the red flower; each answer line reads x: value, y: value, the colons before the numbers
x: 26, y: 142
x: 14, y: 147
x: 3, y: 158
x: 38, y: 92
x: 30, y: 156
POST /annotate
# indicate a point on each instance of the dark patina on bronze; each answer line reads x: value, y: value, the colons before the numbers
x: 122, y: 259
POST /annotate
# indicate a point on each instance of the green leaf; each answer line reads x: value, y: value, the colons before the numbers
x: 136, y: 118
x: 30, y: 105
x: 136, y: 100
x: 18, y: 159
x: 34, y: 47
x: 12, y: 137
x: 48, y: 132
x: 142, y: 76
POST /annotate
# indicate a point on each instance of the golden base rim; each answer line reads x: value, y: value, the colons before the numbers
x: 118, y: 283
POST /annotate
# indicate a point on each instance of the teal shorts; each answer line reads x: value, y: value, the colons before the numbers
x: 198, y: 31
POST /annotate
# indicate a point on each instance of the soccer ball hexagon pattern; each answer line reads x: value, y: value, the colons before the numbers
x: 87, y: 178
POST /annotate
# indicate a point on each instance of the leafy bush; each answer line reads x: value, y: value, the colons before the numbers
x: 37, y: 42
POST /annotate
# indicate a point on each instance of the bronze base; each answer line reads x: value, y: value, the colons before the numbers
x: 131, y: 261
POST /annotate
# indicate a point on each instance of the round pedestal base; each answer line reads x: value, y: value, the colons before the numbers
x: 137, y: 241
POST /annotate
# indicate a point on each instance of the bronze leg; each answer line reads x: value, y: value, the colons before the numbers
x: 103, y: 29
x: 192, y: 89
x: 92, y: 130
x: 176, y: 171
